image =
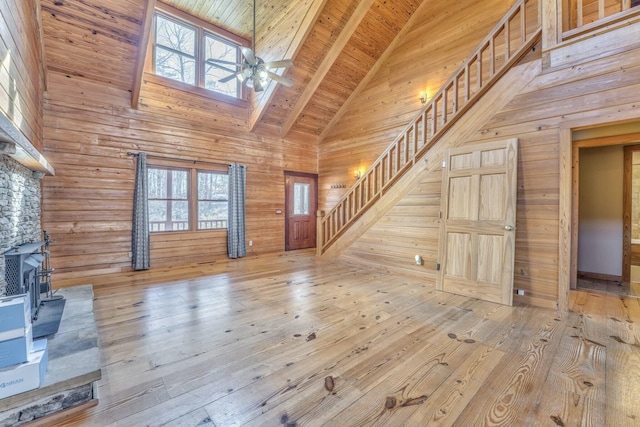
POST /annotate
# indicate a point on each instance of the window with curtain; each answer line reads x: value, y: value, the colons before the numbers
x: 187, y: 199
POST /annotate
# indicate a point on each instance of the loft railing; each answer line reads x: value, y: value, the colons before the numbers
x: 203, y: 224
x: 509, y: 40
x: 584, y: 15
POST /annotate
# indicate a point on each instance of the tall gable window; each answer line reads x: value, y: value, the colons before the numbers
x: 182, y: 47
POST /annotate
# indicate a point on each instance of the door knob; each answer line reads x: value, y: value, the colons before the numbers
x: 509, y: 227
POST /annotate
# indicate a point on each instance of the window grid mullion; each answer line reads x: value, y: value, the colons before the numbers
x: 169, y: 218
x: 193, y: 204
x: 200, y: 45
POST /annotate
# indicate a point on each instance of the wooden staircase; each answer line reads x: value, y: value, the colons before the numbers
x: 516, y: 33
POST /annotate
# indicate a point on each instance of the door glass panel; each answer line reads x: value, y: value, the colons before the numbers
x: 300, y: 198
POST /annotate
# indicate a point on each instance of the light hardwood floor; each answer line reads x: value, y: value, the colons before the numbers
x: 252, y: 342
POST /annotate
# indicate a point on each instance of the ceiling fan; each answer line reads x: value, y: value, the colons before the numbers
x: 253, y: 71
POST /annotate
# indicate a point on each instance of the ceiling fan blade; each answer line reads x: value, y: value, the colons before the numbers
x: 230, y: 70
x: 220, y: 61
x: 279, y: 64
x: 229, y: 78
x: 282, y: 80
x: 249, y: 55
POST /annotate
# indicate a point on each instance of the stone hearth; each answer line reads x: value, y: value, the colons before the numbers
x: 74, y: 365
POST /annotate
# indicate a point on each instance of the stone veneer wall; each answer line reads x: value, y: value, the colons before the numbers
x: 19, y: 209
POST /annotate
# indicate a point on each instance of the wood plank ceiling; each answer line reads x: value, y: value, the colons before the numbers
x: 99, y: 41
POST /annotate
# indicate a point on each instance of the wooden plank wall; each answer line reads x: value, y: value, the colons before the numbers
x: 606, y: 86
x: 89, y: 128
x: 21, y: 71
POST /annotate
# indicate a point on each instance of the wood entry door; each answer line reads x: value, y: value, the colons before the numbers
x: 477, y: 229
x: 301, y: 204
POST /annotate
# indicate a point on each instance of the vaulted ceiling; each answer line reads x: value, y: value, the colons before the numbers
x: 334, y: 44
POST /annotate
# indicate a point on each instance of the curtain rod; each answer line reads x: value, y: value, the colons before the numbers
x: 130, y: 153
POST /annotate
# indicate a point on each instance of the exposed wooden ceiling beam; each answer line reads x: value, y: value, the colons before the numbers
x: 142, y: 51
x: 372, y: 72
x: 327, y: 63
x: 297, y: 41
x: 43, y: 58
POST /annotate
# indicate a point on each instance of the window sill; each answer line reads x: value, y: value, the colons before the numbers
x: 195, y: 90
x: 187, y: 232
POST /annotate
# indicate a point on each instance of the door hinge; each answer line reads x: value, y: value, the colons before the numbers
x: 440, y: 215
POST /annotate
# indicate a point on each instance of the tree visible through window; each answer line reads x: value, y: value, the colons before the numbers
x: 212, y: 200
x: 182, y: 51
x: 175, y: 50
x: 216, y: 48
x: 168, y: 199
x: 177, y: 205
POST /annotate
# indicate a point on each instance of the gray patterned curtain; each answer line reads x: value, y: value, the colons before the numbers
x: 140, y: 259
x: 235, y: 227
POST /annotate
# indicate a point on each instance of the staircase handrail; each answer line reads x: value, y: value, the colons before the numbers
x: 434, y: 119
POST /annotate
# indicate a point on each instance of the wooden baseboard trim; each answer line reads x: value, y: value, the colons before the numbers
x: 599, y: 276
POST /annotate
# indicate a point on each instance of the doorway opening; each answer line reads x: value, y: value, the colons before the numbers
x: 604, y: 196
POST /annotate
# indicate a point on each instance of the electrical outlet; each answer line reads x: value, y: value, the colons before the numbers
x: 130, y: 255
x: 250, y: 242
x: 520, y: 292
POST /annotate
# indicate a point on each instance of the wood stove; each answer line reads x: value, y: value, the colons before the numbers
x: 22, y: 272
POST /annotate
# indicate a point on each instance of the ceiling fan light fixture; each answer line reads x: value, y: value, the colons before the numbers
x: 252, y: 71
x: 258, y: 84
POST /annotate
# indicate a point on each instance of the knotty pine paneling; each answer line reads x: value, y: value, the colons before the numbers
x: 325, y: 31
x: 272, y: 17
x: 376, y: 31
x: 21, y: 71
x: 87, y: 206
x: 93, y: 40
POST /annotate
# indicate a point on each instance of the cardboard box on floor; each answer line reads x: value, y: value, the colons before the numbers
x: 15, y: 316
x: 25, y: 376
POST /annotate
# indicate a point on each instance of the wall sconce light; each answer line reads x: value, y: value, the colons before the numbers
x: 423, y: 98
x: 357, y: 174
